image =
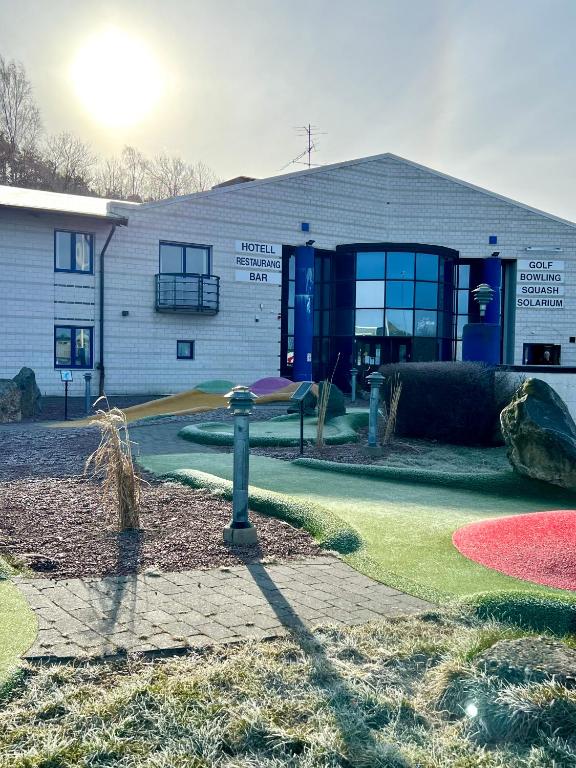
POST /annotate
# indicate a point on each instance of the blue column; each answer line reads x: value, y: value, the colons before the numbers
x: 481, y: 341
x: 492, y: 274
x: 303, y: 313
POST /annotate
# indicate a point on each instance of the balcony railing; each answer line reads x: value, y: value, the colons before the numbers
x: 187, y: 293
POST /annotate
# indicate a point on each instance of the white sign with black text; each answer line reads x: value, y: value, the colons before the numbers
x: 258, y: 262
x: 540, y: 284
x: 267, y: 278
x: 259, y: 249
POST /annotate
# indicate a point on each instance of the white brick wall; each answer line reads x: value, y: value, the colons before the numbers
x: 375, y: 200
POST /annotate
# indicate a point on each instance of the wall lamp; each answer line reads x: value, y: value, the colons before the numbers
x: 310, y: 242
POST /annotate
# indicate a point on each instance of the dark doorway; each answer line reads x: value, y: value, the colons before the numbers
x: 375, y: 351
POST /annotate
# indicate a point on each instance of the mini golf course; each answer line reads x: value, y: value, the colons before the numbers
x: 17, y: 626
x: 396, y: 527
x: 282, y: 430
x: 539, y: 547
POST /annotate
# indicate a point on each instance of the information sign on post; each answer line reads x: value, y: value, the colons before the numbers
x: 66, y: 377
x: 299, y: 395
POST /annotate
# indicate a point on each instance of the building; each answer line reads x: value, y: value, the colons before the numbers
x: 154, y: 298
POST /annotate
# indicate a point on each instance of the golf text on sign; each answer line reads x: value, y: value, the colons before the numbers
x: 258, y: 262
x: 540, y: 283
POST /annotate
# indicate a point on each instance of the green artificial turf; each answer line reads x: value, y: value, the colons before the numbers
x: 282, y: 430
x: 406, y: 528
x: 17, y: 628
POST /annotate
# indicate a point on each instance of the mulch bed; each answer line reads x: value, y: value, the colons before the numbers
x: 349, y: 453
x: 538, y: 547
x: 38, y: 452
x: 59, y: 528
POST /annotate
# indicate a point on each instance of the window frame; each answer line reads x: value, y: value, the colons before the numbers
x: 73, y: 365
x: 192, y: 343
x: 183, y: 246
x: 75, y: 232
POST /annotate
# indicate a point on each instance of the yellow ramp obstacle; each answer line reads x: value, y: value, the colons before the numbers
x: 191, y: 401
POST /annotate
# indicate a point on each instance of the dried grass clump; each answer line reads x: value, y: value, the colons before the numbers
x: 323, y: 401
x: 112, y: 461
x: 395, y: 392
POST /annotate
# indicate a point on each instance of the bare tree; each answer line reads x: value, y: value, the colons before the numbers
x: 134, y: 165
x: 19, y: 116
x: 110, y: 179
x: 168, y: 177
x: 203, y: 177
x: 20, y: 124
x: 69, y: 162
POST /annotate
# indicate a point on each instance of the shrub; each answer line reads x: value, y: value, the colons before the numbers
x: 532, y: 611
x: 336, y: 404
x: 458, y: 402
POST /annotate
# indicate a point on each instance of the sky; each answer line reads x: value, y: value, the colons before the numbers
x: 483, y: 90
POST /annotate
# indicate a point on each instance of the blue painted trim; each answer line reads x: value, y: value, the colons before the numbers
x: 208, y: 248
x: 192, y: 349
x: 73, y: 251
x: 304, y: 313
x: 73, y: 364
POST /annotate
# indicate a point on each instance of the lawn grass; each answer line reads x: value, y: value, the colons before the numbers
x: 17, y: 627
x: 406, y: 528
x: 362, y: 697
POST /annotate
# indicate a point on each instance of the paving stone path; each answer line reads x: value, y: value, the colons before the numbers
x: 156, y: 611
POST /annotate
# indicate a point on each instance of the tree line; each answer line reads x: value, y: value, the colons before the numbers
x: 64, y: 163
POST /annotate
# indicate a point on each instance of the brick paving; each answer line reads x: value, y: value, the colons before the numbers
x: 154, y: 611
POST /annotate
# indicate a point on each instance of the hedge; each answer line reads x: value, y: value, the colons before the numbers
x: 452, y: 402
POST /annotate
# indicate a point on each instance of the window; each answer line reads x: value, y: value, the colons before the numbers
x: 185, y: 350
x: 73, y: 252
x: 183, y: 258
x: 72, y: 347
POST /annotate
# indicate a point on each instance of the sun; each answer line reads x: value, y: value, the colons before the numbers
x: 116, y: 78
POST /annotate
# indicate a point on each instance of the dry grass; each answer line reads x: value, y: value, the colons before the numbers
x: 387, y: 413
x: 112, y: 461
x: 360, y: 697
x: 323, y: 401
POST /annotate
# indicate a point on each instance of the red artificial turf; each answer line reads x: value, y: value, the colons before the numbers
x: 539, y: 547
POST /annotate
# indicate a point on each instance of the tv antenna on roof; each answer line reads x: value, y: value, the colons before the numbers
x: 305, y: 157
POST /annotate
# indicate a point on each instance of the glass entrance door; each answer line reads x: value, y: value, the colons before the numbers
x: 373, y: 352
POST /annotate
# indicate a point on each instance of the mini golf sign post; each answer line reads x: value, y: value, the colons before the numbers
x: 298, y: 396
x: 66, y: 377
x: 240, y: 531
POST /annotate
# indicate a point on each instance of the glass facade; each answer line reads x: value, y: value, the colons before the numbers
x: 374, y: 304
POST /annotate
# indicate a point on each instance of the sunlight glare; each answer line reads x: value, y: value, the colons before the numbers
x: 116, y: 78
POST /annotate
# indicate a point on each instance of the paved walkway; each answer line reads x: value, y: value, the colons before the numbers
x: 154, y: 612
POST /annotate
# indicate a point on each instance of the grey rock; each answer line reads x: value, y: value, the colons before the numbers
x: 540, y: 434
x: 10, y: 398
x: 31, y: 397
x: 530, y: 659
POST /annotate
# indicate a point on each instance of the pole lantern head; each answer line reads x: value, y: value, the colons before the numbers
x: 375, y: 379
x: 483, y: 295
x: 240, y: 400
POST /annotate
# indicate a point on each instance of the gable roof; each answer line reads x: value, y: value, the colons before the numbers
x: 229, y: 190
x: 18, y: 198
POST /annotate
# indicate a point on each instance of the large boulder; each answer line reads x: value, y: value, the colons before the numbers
x: 530, y: 659
x: 30, y: 394
x: 10, y: 397
x: 540, y: 434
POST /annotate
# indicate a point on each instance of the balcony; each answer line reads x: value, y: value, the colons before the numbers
x: 193, y: 294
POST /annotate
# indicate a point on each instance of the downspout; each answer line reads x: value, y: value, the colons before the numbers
x: 101, y: 302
